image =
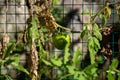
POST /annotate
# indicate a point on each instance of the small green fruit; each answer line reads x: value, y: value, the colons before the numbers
x: 61, y: 40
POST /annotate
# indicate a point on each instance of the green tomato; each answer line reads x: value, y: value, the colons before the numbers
x: 61, y: 40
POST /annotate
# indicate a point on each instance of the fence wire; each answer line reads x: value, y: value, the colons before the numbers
x: 68, y: 13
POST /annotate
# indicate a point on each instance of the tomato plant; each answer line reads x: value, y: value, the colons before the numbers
x: 41, y: 28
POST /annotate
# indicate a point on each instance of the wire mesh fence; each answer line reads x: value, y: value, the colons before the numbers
x: 68, y: 13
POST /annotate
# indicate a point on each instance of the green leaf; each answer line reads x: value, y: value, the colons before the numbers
x: 100, y: 15
x: 41, y: 50
x: 19, y: 47
x: 84, y: 33
x: 112, y: 69
x: 114, y: 64
x: 91, y: 69
x: 56, y: 62
x: 8, y: 62
x: 93, y: 43
x: 33, y: 29
x: 93, y: 46
x: 97, y: 34
x: 76, y: 57
x: 86, y: 12
x: 110, y: 76
x: 71, y: 69
x: 95, y: 26
x: 16, y: 58
x: 8, y: 77
x: 7, y: 52
x: 66, y: 55
x: 82, y: 77
x: 96, y: 31
x: 5, y: 77
x: 96, y: 43
x: 104, y: 21
x: 54, y: 2
x: 1, y: 63
x: 76, y: 74
x: 90, y: 42
x: 118, y: 75
x: 79, y: 75
x: 43, y: 29
x: 21, y: 68
x: 47, y: 62
x: 99, y: 59
x: 56, y: 56
x: 92, y: 55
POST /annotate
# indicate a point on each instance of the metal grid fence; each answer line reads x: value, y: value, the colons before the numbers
x: 17, y: 15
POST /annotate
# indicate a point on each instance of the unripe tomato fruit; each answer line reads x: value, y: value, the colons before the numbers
x: 61, y: 40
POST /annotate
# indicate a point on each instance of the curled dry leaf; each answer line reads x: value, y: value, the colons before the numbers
x: 4, y: 42
x: 106, y: 31
x: 33, y: 61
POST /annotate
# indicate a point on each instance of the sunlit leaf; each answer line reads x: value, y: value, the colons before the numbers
x: 54, y: 2
x: 86, y: 12
x: 47, y: 62
x: 92, y: 55
x: 104, y: 21
x: 91, y: 69
x: 91, y: 42
x: 100, y: 15
x: 111, y: 70
x: 76, y: 57
x: 66, y: 55
x: 56, y: 62
x: 16, y: 58
x: 33, y: 28
x: 97, y: 34
x: 95, y: 26
x: 118, y: 73
x: 82, y: 77
x: 110, y: 76
x: 93, y: 46
x: 71, y: 69
x: 114, y: 64
x: 96, y: 43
